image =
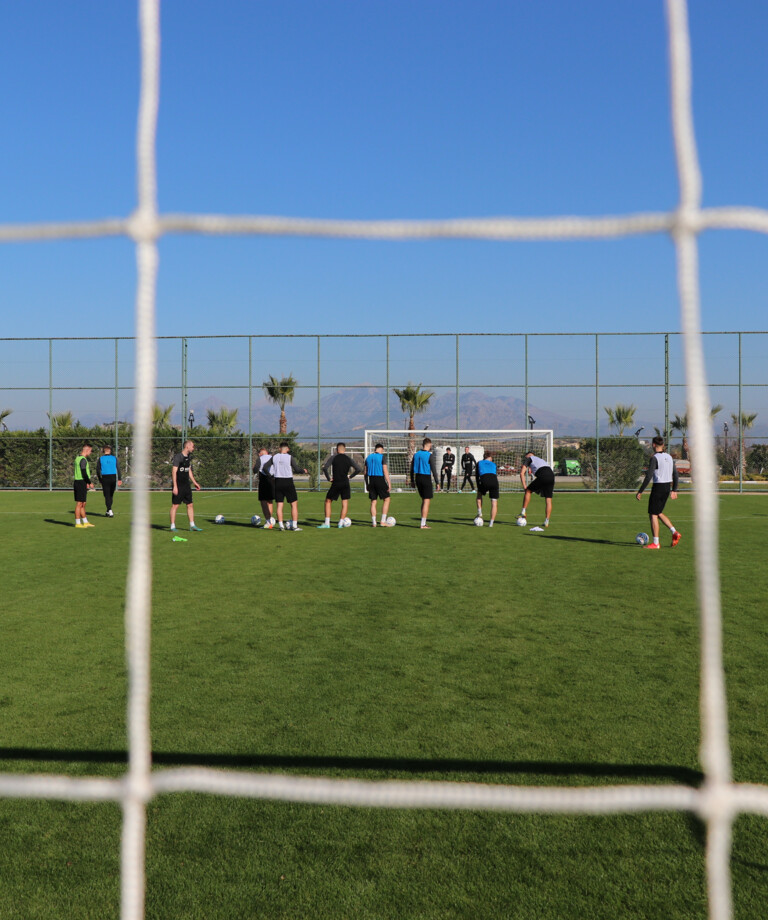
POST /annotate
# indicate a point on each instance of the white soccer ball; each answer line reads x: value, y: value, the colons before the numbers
x: 272, y: 521
x: 478, y: 521
x: 642, y: 539
x: 521, y: 521
x: 219, y: 519
x: 391, y: 521
x: 256, y: 520
x: 347, y: 522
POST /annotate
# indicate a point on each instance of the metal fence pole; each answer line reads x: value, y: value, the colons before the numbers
x: 741, y: 429
x: 458, y: 424
x: 597, y: 413
x: 666, y: 390
x: 117, y: 397
x: 50, y: 415
x: 184, y: 397
x: 525, y: 420
x: 317, y: 475
x: 250, y: 413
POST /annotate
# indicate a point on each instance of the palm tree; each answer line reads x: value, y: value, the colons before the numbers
x: 680, y: 423
x: 412, y: 400
x: 61, y: 421
x: 745, y: 421
x: 222, y: 421
x: 281, y: 392
x: 161, y: 417
x: 4, y: 413
x: 621, y: 417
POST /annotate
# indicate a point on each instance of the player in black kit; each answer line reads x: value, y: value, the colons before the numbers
x: 183, y: 480
x: 446, y: 470
x: 340, y: 465
x: 468, y: 464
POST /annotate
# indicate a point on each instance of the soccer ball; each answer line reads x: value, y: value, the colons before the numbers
x: 256, y: 520
x: 391, y: 521
x: 219, y: 519
x: 521, y: 521
x: 642, y: 539
x: 347, y: 522
x: 478, y: 522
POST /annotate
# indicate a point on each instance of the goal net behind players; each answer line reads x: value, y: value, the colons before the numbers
x: 508, y: 449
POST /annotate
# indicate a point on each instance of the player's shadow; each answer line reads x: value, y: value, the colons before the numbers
x: 60, y: 523
x: 552, y: 536
x: 453, y: 522
x: 409, y: 765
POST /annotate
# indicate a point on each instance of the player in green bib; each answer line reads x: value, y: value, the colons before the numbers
x: 82, y: 483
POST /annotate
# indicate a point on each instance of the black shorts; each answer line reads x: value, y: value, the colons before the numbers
x: 489, y: 485
x: 377, y: 487
x: 184, y: 494
x: 339, y: 489
x: 424, y: 485
x: 285, y: 490
x: 266, y: 489
x: 544, y: 483
x: 81, y: 490
x: 658, y: 497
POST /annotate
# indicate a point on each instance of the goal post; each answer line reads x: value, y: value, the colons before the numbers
x: 508, y: 449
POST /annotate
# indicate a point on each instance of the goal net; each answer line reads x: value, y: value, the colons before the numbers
x: 450, y: 445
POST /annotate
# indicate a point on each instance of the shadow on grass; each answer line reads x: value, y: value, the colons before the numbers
x: 60, y: 523
x: 671, y: 772
x: 552, y: 536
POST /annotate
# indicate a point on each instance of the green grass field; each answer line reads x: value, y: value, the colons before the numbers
x: 563, y: 658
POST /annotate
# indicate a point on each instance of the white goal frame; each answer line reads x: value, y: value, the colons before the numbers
x: 458, y: 439
x: 718, y: 801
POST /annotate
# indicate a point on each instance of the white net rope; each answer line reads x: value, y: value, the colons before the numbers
x: 717, y: 802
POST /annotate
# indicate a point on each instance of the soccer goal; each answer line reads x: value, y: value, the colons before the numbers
x: 508, y: 449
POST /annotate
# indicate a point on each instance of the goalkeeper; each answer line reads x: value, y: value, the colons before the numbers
x: 446, y: 470
x: 468, y: 464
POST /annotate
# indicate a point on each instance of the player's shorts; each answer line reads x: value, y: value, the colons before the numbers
x: 184, y: 494
x: 658, y: 497
x: 489, y: 485
x: 285, y: 490
x: 266, y: 489
x: 339, y: 489
x: 81, y: 490
x: 424, y: 485
x: 377, y: 487
x: 544, y: 483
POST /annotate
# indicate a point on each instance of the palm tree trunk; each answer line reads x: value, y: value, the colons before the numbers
x: 283, y: 422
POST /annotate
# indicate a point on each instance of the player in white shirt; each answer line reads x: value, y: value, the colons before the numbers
x: 663, y: 471
x: 543, y: 483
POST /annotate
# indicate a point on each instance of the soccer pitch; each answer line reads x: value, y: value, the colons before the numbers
x: 569, y: 657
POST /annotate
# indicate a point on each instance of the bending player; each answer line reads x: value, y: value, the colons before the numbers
x: 378, y: 483
x: 663, y: 471
x: 423, y: 470
x: 266, y: 487
x: 543, y: 483
x: 487, y: 484
x: 281, y: 468
x: 340, y: 465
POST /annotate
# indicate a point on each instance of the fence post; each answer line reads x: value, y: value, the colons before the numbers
x: 741, y: 429
x: 250, y: 413
x: 597, y: 412
x: 117, y: 397
x: 666, y: 390
x: 184, y: 406
x: 526, y: 425
x: 458, y: 425
x: 50, y: 415
x: 317, y: 474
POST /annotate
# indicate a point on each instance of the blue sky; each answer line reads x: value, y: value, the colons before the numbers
x: 378, y: 109
x: 374, y: 109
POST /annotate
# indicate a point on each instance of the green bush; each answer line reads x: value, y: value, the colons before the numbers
x: 622, y: 461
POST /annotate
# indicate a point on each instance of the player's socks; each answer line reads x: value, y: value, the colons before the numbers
x: 490, y: 524
x: 173, y: 527
x: 423, y: 522
x: 328, y: 521
x: 373, y: 520
x: 281, y: 525
x: 383, y: 519
x: 656, y: 540
x: 546, y: 522
x: 672, y: 529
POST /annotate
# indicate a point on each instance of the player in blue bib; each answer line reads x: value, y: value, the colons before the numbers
x: 487, y: 484
x: 378, y: 483
x: 108, y: 474
x: 423, y: 471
